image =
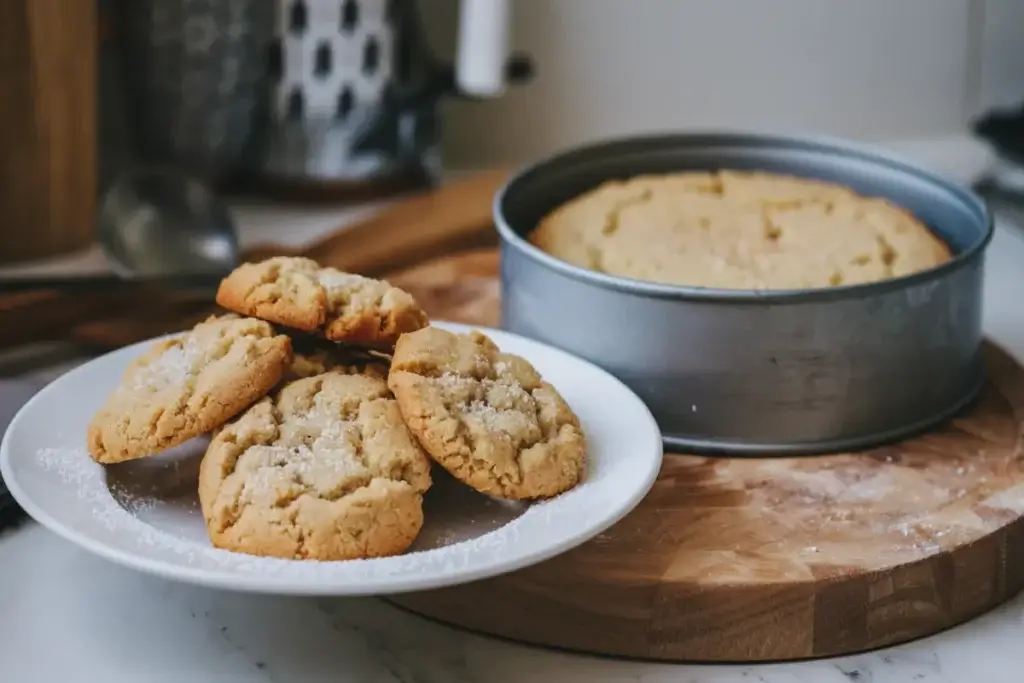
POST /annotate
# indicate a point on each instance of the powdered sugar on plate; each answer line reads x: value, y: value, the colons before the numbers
x: 74, y: 467
x: 143, y: 514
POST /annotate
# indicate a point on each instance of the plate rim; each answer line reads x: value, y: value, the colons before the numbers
x: 279, y: 584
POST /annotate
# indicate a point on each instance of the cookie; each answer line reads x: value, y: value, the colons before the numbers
x: 312, y: 358
x: 738, y: 230
x: 321, y: 362
x: 187, y: 386
x: 299, y: 293
x: 486, y: 416
x: 324, y: 469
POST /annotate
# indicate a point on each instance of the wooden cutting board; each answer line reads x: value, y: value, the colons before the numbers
x: 752, y: 560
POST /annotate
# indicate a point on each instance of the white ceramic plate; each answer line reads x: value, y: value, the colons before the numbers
x: 144, y: 514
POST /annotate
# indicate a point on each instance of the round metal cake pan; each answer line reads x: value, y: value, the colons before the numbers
x: 761, y: 372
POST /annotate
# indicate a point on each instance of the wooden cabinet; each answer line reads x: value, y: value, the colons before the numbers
x: 47, y: 127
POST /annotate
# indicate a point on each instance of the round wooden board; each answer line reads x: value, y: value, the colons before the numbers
x: 755, y: 560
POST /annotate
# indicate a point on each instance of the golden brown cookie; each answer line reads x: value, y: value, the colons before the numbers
x: 738, y: 230
x: 301, y: 294
x: 486, y: 416
x: 324, y: 469
x: 187, y: 386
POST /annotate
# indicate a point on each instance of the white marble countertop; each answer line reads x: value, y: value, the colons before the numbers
x: 70, y: 616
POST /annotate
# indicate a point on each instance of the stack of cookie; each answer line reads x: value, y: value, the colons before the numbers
x: 328, y: 395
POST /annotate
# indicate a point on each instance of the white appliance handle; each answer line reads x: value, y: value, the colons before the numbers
x: 483, y: 47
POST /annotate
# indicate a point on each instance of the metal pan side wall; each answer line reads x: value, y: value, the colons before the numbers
x: 748, y: 373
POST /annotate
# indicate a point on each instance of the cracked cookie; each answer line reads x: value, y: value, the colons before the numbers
x: 324, y: 469
x: 301, y: 294
x: 738, y: 230
x: 188, y: 385
x: 313, y: 358
x: 486, y: 416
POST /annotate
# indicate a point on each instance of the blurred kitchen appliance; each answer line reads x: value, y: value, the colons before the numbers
x: 193, y: 72
x: 1003, y: 129
x: 306, y: 97
x: 355, y: 90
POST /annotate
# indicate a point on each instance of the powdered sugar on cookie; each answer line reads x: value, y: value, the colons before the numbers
x: 171, y: 368
x: 487, y: 417
x: 323, y: 469
x: 188, y: 386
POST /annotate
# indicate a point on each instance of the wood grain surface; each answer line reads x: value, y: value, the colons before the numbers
x: 47, y: 127
x: 753, y: 560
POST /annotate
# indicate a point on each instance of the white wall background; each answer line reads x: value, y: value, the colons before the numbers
x: 868, y: 69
